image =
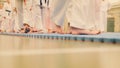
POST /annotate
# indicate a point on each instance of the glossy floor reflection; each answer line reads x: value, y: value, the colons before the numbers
x: 21, y: 52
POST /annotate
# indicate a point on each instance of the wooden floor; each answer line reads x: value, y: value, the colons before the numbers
x: 59, y: 51
x: 103, y: 38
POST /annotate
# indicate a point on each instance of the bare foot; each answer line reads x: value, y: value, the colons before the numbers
x: 93, y: 32
x: 56, y: 29
x: 77, y: 31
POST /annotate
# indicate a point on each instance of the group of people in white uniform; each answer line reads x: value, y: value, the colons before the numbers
x: 59, y: 16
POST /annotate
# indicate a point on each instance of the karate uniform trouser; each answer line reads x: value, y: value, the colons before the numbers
x: 44, y: 18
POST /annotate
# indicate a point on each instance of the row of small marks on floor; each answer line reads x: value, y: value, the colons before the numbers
x: 91, y: 38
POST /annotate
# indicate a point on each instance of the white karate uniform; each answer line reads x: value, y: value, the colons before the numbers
x: 28, y: 17
x: 15, y: 23
x: 58, y: 11
x: 5, y: 23
x: 78, y: 12
x: 45, y: 14
x: 1, y: 17
x: 84, y: 14
x: 36, y: 11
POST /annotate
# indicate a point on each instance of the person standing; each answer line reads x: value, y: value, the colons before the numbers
x: 1, y: 13
x: 78, y: 13
x: 58, y: 14
x: 6, y: 23
x: 81, y: 17
x: 36, y: 12
x: 45, y: 13
x: 15, y: 25
x: 28, y: 13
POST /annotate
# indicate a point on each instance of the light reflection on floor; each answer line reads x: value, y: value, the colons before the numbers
x: 21, y: 52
